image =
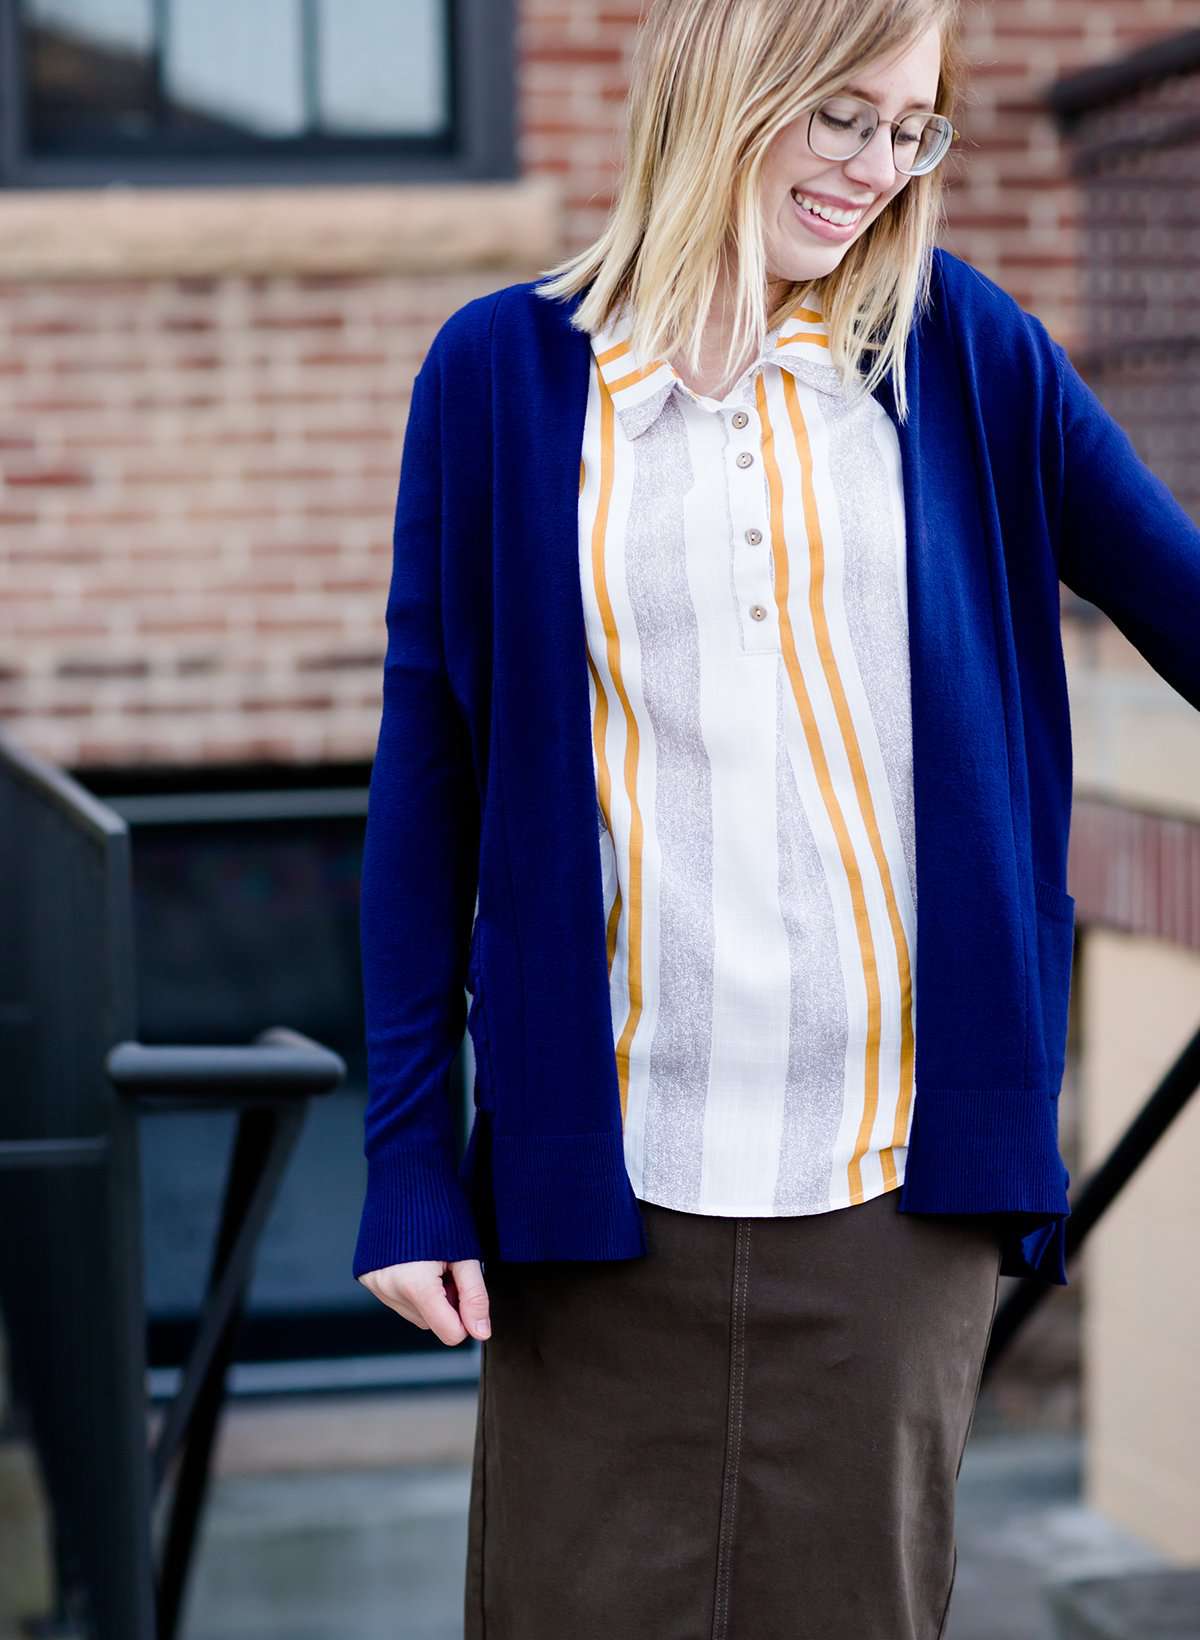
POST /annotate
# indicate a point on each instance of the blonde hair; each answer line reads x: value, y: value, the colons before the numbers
x: 713, y: 82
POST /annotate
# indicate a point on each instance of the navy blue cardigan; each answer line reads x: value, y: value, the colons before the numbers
x: 1015, y: 477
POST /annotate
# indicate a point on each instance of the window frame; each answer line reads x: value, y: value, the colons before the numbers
x: 482, y: 52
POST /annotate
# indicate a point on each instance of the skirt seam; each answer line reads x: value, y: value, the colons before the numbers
x: 733, y: 1431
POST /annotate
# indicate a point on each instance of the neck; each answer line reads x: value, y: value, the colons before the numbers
x: 717, y: 328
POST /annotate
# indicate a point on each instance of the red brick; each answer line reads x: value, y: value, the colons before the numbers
x: 285, y: 474
x: 116, y: 365
x: 47, y: 477
x: 58, y: 404
x: 298, y: 321
x: 60, y: 326
x: 187, y: 323
x: 566, y: 53
x: 342, y: 359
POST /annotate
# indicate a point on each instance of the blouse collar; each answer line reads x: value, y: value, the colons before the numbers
x: 639, y: 387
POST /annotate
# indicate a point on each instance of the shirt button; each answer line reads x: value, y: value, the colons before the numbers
x: 754, y: 537
x: 757, y: 612
x: 740, y: 418
x: 744, y: 458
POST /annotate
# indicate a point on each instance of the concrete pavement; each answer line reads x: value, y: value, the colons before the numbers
x: 378, y: 1554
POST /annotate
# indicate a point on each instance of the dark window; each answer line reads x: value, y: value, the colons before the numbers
x: 172, y: 90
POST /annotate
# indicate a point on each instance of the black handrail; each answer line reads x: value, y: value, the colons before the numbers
x: 282, y: 1064
x: 71, y: 1267
x: 1087, y: 89
x: 270, y: 1085
x: 1102, y: 1188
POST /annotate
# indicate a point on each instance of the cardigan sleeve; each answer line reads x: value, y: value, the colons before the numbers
x: 418, y: 887
x: 1125, y: 543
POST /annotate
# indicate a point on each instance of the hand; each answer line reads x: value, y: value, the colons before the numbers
x: 419, y: 1293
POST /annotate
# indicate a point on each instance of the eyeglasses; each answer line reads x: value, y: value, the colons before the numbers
x: 841, y: 127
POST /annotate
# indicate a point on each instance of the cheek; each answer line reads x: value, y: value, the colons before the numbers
x: 887, y: 198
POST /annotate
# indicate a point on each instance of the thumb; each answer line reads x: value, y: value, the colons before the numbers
x: 473, y: 1305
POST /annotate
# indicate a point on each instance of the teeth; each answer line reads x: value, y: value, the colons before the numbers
x: 829, y: 213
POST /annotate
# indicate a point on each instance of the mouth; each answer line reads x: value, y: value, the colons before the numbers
x: 826, y: 221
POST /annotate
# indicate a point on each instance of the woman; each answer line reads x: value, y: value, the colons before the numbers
x: 724, y: 613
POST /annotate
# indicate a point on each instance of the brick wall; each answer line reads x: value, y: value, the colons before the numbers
x: 198, y: 472
x: 195, y: 518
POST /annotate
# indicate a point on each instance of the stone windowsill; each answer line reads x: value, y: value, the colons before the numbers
x: 125, y: 232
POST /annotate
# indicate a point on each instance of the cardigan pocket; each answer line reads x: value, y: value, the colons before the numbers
x: 1056, y: 947
x: 477, y: 1026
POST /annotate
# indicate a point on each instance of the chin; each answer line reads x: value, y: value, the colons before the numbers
x: 814, y: 267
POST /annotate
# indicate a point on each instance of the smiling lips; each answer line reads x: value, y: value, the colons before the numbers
x: 833, y: 214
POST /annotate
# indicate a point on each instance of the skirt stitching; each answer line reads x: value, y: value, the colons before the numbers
x: 733, y: 1437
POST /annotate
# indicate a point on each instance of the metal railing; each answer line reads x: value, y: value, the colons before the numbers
x: 71, y: 1258
x: 1102, y: 1187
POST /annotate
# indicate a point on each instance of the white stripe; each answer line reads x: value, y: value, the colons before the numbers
x: 743, y: 1113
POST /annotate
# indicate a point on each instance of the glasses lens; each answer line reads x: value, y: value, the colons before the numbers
x: 840, y: 126
x: 920, y: 141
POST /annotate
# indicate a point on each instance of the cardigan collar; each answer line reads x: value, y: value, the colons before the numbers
x: 640, y: 387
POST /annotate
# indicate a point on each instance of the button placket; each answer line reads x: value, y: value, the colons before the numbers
x: 753, y: 585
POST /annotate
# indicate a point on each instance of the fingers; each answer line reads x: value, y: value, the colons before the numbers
x: 473, y: 1305
x: 417, y: 1292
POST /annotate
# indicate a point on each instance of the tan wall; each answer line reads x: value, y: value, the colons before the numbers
x: 1135, y: 739
x: 1137, y: 742
x: 1140, y: 1002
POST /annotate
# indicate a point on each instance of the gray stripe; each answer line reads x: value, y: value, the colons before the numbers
x: 669, y: 642
x: 819, y: 1020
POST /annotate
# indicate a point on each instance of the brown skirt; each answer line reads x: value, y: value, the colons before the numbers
x: 754, y: 1432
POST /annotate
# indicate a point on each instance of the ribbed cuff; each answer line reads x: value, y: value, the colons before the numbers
x: 978, y: 1150
x: 415, y: 1208
x: 996, y: 1151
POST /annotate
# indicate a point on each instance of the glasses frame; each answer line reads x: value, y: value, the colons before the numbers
x: 861, y: 102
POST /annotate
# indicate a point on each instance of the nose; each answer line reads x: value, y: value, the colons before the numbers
x: 875, y: 166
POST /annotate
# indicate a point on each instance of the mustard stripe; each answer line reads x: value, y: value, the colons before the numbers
x: 617, y: 351
x: 635, y: 376
x: 632, y: 742
x: 803, y: 336
x: 622, y: 350
x: 610, y: 941
x: 816, y: 554
x: 862, y: 787
x: 808, y: 313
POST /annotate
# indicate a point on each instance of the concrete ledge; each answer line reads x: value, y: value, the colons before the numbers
x: 295, y: 1434
x: 124, y: 232
x: 1147, y: 1605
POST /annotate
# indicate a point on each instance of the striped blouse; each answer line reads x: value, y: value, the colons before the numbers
x: 743, y: 574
